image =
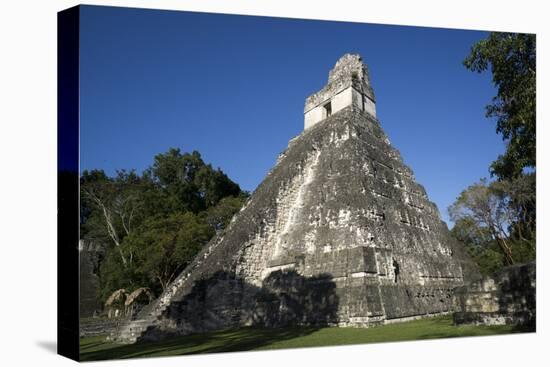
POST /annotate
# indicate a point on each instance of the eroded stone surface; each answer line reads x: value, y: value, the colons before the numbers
x: 90, y: 255
x: 508, y: 297
x: 338, y: 233
x: 348, y: 85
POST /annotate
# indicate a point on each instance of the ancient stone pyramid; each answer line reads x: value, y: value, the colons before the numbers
x: 338, y: 233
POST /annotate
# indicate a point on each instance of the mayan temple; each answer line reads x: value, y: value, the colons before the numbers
x: 339, y: 233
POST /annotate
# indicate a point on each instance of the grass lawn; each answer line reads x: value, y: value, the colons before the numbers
x: 96, y: 348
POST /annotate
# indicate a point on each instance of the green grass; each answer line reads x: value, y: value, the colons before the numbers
x: 96, y: 348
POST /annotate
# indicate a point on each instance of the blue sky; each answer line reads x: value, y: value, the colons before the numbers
x: 233, y: 88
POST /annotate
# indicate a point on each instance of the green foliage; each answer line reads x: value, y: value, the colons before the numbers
x: 155, y: 223
x: 521, y: 198
x: 218, y: 216
x: 469, y: 232
x: 481, y: 246
x: 511, y: 57
x: 91, y: 225
x: 119, y: 199
x: 496, y: 222
x: 115, y: 275
x: 524, y: 251
x: 163, y: 247
x: 490, y: 260
x: 188, y: 183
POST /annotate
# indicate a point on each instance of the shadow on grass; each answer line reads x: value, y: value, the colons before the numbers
x: 243, y: 339
x: 91, y: 346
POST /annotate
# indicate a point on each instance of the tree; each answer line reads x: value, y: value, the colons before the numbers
x: 480, y: 245
x: 188, y: 183
x: 214, y: 185
x: 219, y: 216
x: 113, y: 275
x: 498, y: 215
x: 481, y: 204
x: 511, y: 57
x: 117, y: 201
x: 163, y: 247
x: 155, y: 222
x: 521, y: 198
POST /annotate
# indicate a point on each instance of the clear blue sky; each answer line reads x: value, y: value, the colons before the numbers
x: 233, y: 88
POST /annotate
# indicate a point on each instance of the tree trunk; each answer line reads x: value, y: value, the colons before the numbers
x: 506, y: 249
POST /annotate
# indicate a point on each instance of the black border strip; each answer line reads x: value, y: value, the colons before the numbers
x: 68, y: 212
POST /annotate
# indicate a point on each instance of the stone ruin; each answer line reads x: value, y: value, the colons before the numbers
x: 114, y: 305
x: 339, y: 233
x: 119, y: 307
x: 122, y: 304
x: 505, y: 298
x: 90, y: 254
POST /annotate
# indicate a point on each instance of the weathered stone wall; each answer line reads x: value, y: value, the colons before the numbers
x: 98, y: 327
x: 90, y: 255
x: 348, y: 85
x: 508, y: 297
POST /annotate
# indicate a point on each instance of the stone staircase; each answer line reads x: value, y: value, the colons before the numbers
x: 132, y: 330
